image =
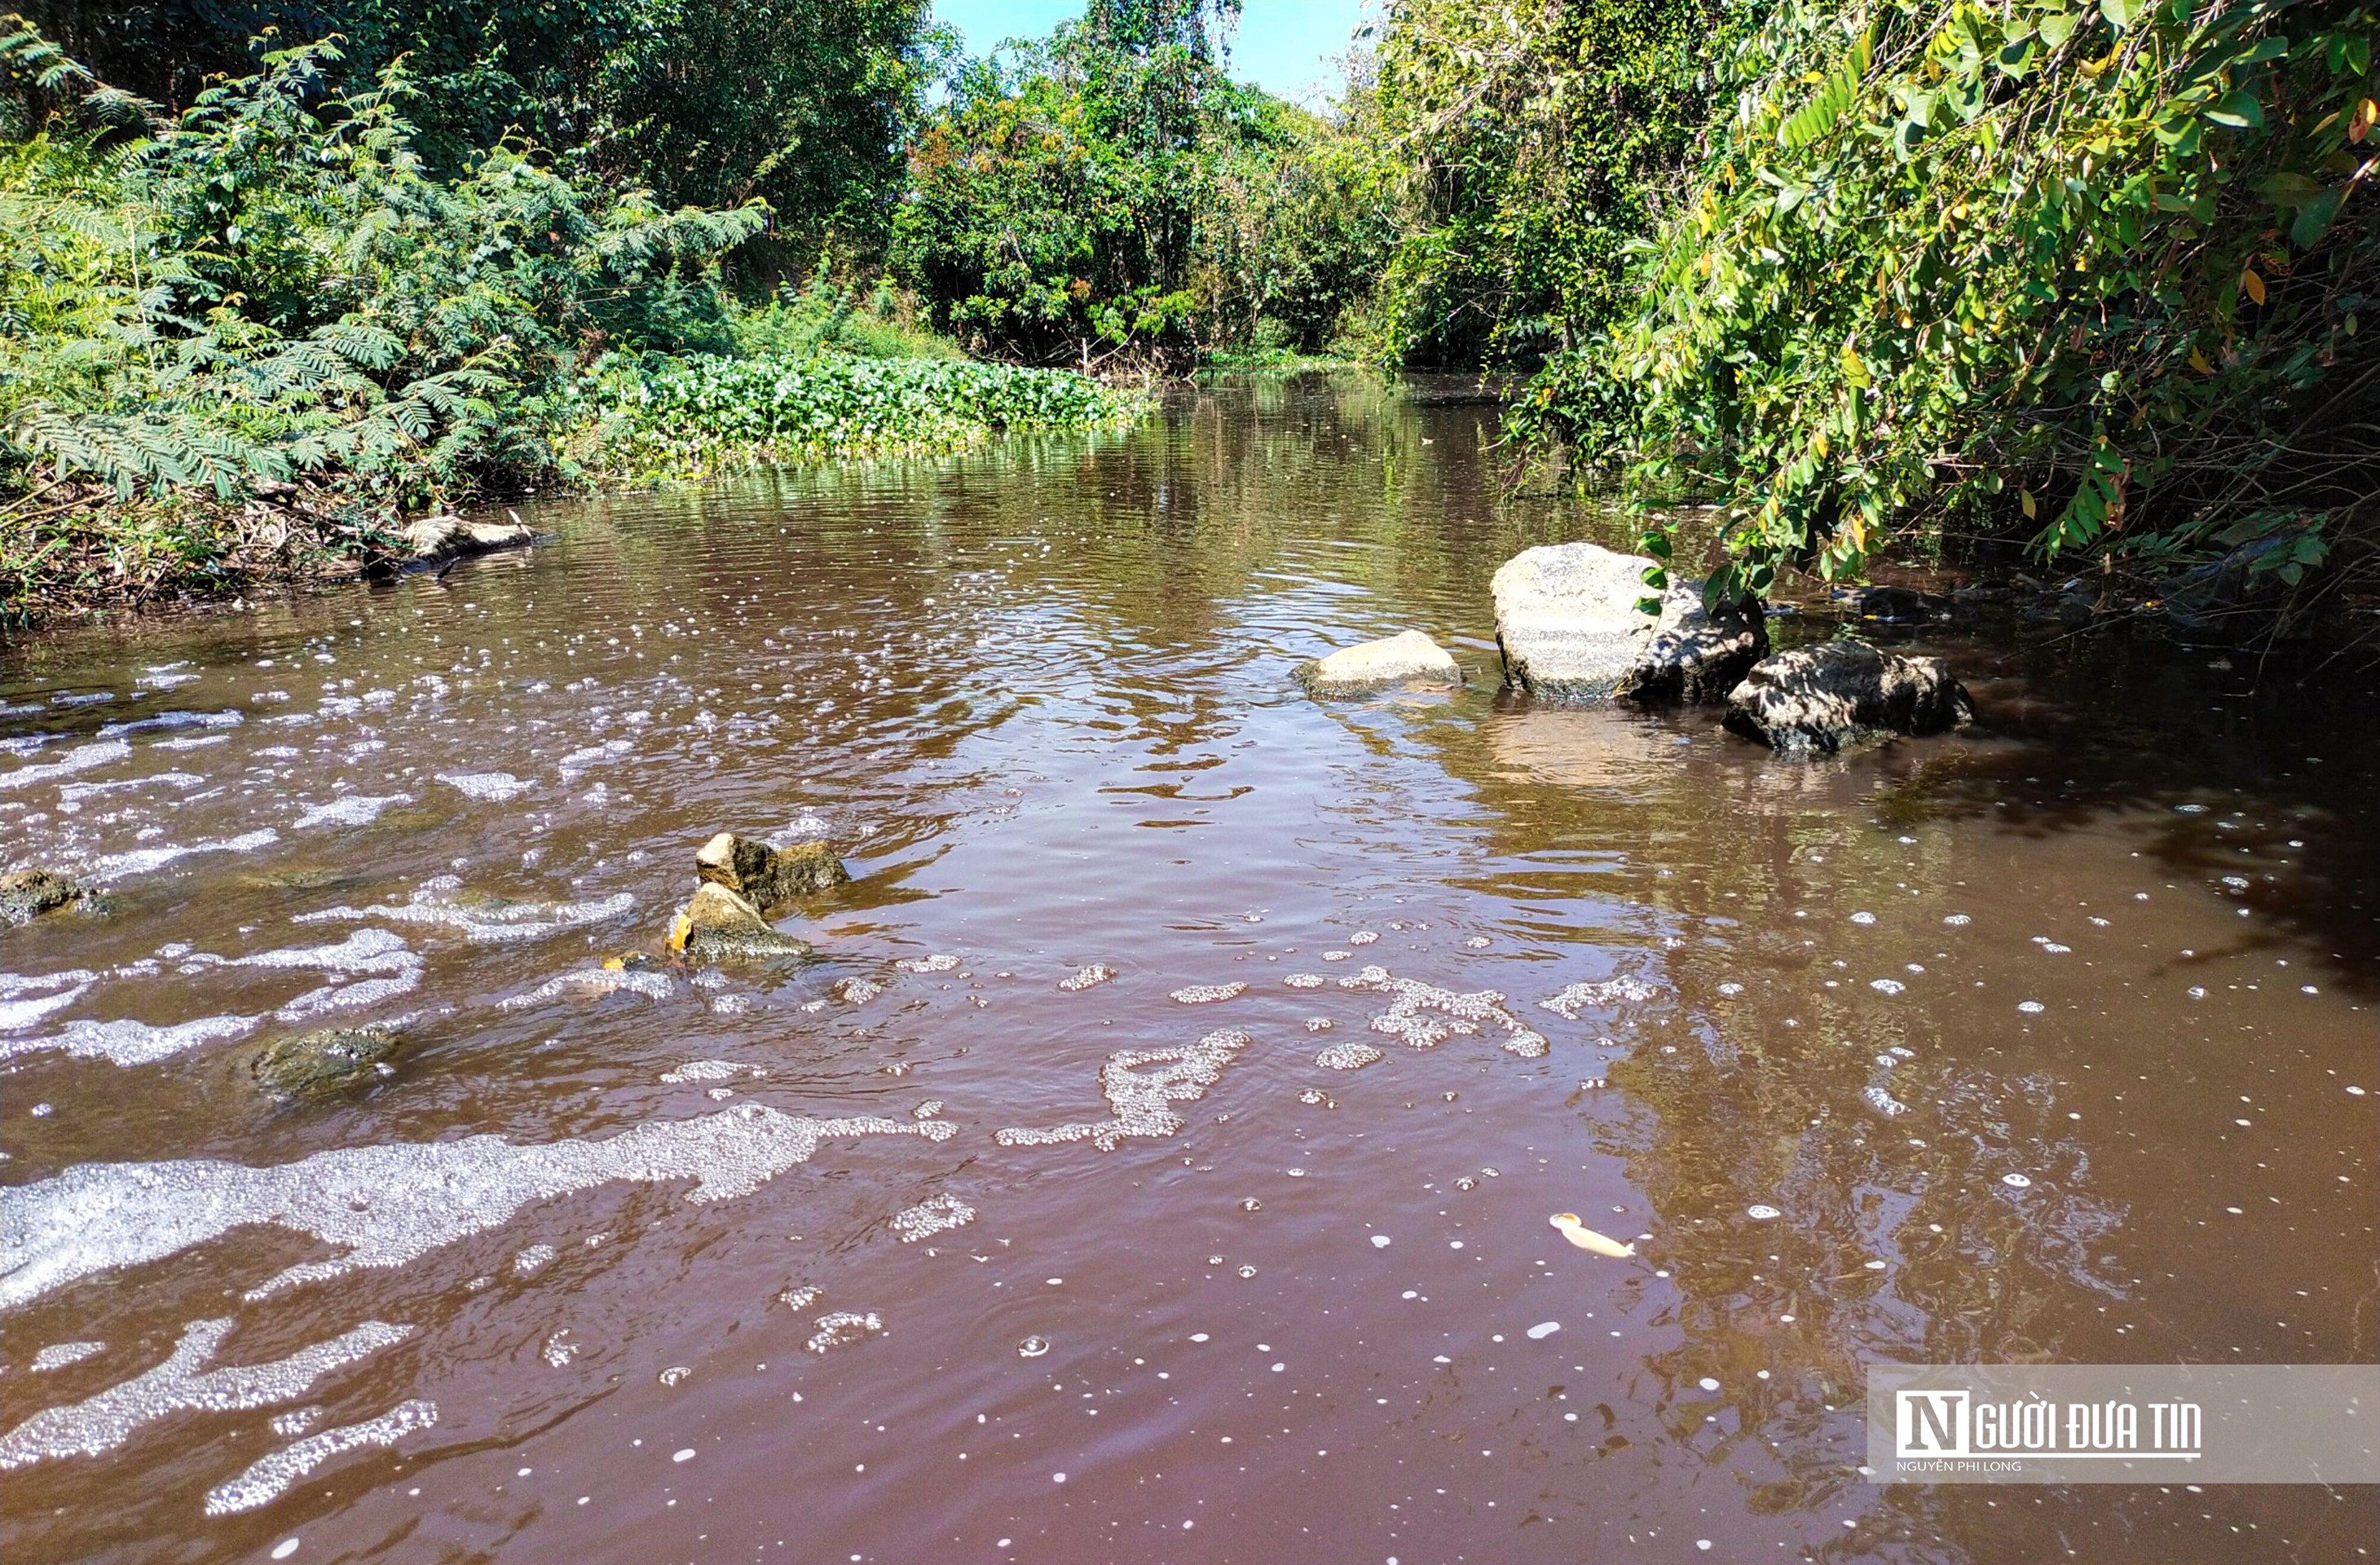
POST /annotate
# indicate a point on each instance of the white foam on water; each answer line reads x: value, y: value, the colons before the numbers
x: 1092, y: 976
x: 936, y: 964
x: 1140, y: 1099
x: 1886, y: 986
x: 131, y: 1043
x: 82, y: 758
x: 857, y: 991
x: 708, y: 1070
x: 270, y: 1477
x: 75, y: 794
x: 65, y: 988
x: 1363, y: 937
x: 389, y: 1204
x: 355, y: 809
x: 1544, y: 1329
x: 487, y: 787
x: 489, y: 921
x: 927, y: 1218
x: 1348, y: 1056
x: 842, y: 1327
x: 1207, y: 994
x: 58, y: 1355
x: 579, y: 760
x: 590, y: 983
x: 1627, y: 989
x: 534, y: 1259
x: 297, y: 1421
x: 103, y: 1422
x: 141, y: 861
x: 1884, y: 1103
x: 1424, y: 1015
x: 1759, y: 1212
x: 1303, y: 980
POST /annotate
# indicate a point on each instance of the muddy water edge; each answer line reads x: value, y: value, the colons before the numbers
x: 2054, y: 1039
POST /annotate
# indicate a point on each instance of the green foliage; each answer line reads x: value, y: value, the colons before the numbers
x: 270, y: 287
x: 803, y: 103
x: 826, y: 316
x: 2102, y: 273
x: 1111, y: 192
x: 1536, y: 141
x: 677, y: 417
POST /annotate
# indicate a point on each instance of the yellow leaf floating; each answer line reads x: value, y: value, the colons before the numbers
x: 1587, y: 1239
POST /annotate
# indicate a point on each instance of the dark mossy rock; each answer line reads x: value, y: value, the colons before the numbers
x: 720, y: 924
x: 766, y: 877
x: 1818, y: 700
x: 26, y: 894
x: 318, y: 1063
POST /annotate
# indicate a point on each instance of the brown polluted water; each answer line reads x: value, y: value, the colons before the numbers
x: 1155, y: 1161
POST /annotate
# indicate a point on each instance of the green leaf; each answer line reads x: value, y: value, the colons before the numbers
x: 2240, y: 111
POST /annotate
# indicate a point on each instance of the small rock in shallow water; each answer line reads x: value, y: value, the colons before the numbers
x: 26, y: 894
x: 722, y: 923
x: 769, y: 877
x: 313, y: 1063
x: 1404, y: 660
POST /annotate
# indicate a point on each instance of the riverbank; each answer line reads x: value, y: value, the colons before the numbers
x: 76, y: 547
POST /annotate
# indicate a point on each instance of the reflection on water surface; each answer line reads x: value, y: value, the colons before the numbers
x: 2051, y: 1040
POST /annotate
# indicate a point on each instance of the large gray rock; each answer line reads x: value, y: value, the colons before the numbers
x: 26, y: 894
x: 1409, y: 657
x: 1695, y: 655
x: 1568, y: 622
x: 439, y: 537
x: 767, y: 877
x: 1816, y: 701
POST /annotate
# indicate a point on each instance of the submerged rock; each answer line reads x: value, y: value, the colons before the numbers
x: 437, y: 537
x: 722, y: 923
x: 26, y: 894
x: 1897, y: 604
x: 314, y: 1063
x: 1568, y: 621
x: 1409, y: 657
x: 767, y: 876
x: 1815, y: 700
x: 1695, y: 655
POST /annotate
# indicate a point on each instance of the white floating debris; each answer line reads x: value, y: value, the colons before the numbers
x: 1207, y: 994
x: 1884, y: 1103
x: 558, y: 1351
x: 927, y: 1218
x: 2016, y: 1181
x: 1303, y: 980
x: 857, y: 991
x: 1544, y: 1329
x: 1348, y: 1056
x: 1477, y: 942
x: 1627, y: 989
x: 708, y: 1070
x: 1586, y: 1238
x: 383, y: 1206
x: 1379, y: 1241
x: 1886, y: 986
x: 1707, y: 1383
x: 131, y: 1043
x: 1363, y: 937
x: 593, y: 982
x: 1092, y: 976
x: 1762, y: 1212
x: 1862, y: 917
x: 1958, y: 920
x: 2030, y: 1007
x: 1730, y: 989
x: 939, y: 963
x: 534, y: 1259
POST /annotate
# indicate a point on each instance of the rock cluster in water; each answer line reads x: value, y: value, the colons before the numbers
x: 743, y: 880
x: 444, y: 537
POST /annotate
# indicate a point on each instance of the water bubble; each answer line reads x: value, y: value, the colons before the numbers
x: 1033, y: 1347
x: 285, y: 1548
x: 1886, y: 986
x: 1251, y: 1203
x: 2016, y: 1181
x: 1379, y: 1241
x: 1707, y: 1383
x: 1762, y: 1212
x: 1862, y: 917
x: 1730, y: 989
x: 1544, y: 1329
x: 1958, y: 920
x: 684, y: 1455
x: 672, y: 1374
x: 2030, y: 1007
x: 1248, y: 1271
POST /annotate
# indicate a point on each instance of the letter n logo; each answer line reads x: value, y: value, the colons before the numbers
x: 1929, y: 1424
